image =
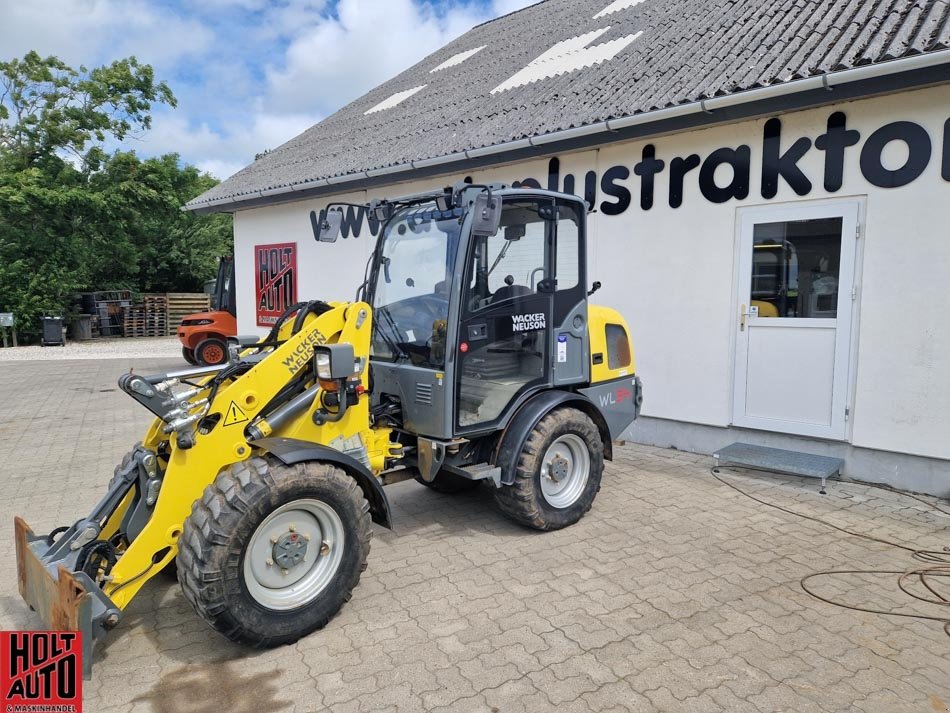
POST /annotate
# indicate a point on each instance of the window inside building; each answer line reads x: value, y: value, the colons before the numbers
x: 795, y: 267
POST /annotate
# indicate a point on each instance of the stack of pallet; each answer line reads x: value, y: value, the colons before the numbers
x: 181, y: 304
x: 108, y: 307
x: 147, y: 317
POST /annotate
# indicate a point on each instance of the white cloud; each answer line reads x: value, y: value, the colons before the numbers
x: 224, y: 150
x: 249, y: 74
x: 95, y: 31
x: 368, y: 42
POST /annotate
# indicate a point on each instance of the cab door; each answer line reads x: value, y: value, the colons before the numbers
x: 507, y: 299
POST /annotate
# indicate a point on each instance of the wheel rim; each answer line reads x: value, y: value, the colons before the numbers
x: 294, y: 554
x: 213, y: 354
x: 565, y: 470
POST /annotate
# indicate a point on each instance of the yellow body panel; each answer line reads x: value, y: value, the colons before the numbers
x: 239, y: 402
x: 598, y: 318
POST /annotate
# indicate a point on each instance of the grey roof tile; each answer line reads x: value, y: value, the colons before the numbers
x: 689, y: 50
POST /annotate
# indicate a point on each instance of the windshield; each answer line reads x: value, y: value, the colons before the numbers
x: 411, y: 300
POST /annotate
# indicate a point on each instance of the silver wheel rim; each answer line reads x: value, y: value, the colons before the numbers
x: 565, y: 470
x: 294, y: 554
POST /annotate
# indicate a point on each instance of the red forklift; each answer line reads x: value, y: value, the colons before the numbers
x: 204, y: 335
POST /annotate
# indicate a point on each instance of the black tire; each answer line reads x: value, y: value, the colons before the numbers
x: 216, y: 536
x: 524, y: 501
x: 449, y: 483
x: 189, y: 356
x: 211, y: 352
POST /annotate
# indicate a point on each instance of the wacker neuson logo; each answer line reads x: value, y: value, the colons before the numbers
x: 527, y: 322
x: 40, y: 672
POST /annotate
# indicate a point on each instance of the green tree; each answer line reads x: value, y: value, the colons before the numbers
x: 163, y: 248
x: 48, y: 109
x: 74, y: 217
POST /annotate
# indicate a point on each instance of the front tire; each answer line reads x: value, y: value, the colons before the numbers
x: 272, y: 552
x: 189, y: 356
x: 558, y: 472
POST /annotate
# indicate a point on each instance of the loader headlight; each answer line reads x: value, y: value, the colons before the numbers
x: 324, y: 367
x: 334, y: 361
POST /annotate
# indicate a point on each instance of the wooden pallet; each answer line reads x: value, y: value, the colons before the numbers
x: 181, y: 304
x: 146, y: 317
x: 139, y: 333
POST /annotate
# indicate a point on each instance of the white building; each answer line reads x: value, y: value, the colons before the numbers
x: 771, y: 187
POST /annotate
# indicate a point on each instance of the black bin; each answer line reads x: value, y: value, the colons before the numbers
x: 52, y: 329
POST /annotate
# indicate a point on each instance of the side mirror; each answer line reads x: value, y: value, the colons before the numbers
x: 486, y: 215
x: 329, y: 225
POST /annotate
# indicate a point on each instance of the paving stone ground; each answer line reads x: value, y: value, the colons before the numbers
x: 675, y: 593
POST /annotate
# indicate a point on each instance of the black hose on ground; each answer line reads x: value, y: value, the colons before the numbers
x: 925, y: 576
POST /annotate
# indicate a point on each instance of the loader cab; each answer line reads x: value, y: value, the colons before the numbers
x: 469, y: 321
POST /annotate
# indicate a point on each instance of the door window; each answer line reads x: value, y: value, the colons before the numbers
x: 795, y: 266
x: 567, y: 264
x: 502, y: 344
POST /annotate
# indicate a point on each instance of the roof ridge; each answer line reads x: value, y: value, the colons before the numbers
x: 509, y: 14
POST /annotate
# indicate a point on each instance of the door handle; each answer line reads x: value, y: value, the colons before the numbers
x: 477, y: 332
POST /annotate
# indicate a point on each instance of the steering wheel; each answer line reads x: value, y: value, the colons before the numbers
x: 416, y: 314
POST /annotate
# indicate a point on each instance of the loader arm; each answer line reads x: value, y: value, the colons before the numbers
x: 142, y: 518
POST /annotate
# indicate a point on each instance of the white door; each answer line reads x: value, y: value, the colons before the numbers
x: 796, y: 296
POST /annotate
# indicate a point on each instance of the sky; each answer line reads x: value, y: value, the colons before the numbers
x: 248, y: 74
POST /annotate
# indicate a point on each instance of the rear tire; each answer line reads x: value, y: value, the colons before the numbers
x: 448, y: 483
x: 189, y: 356
x: 558, y: 472
x: 261, y: 511
x: 211, y: 352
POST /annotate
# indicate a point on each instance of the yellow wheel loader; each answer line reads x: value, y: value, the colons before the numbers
x: 470, y: 354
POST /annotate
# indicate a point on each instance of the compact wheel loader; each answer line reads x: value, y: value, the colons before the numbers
x: 470, y: 354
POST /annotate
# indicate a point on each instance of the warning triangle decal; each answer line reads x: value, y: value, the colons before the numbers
x: 235, y: 415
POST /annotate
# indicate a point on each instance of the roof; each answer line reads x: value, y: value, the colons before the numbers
x: 561, y: 64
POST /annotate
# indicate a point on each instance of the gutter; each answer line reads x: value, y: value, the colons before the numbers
x: 827, y: 81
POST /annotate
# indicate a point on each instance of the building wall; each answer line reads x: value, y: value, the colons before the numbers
x: 672, y: 271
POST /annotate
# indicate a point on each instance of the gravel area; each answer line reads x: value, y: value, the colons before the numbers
x: 144, y: 348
